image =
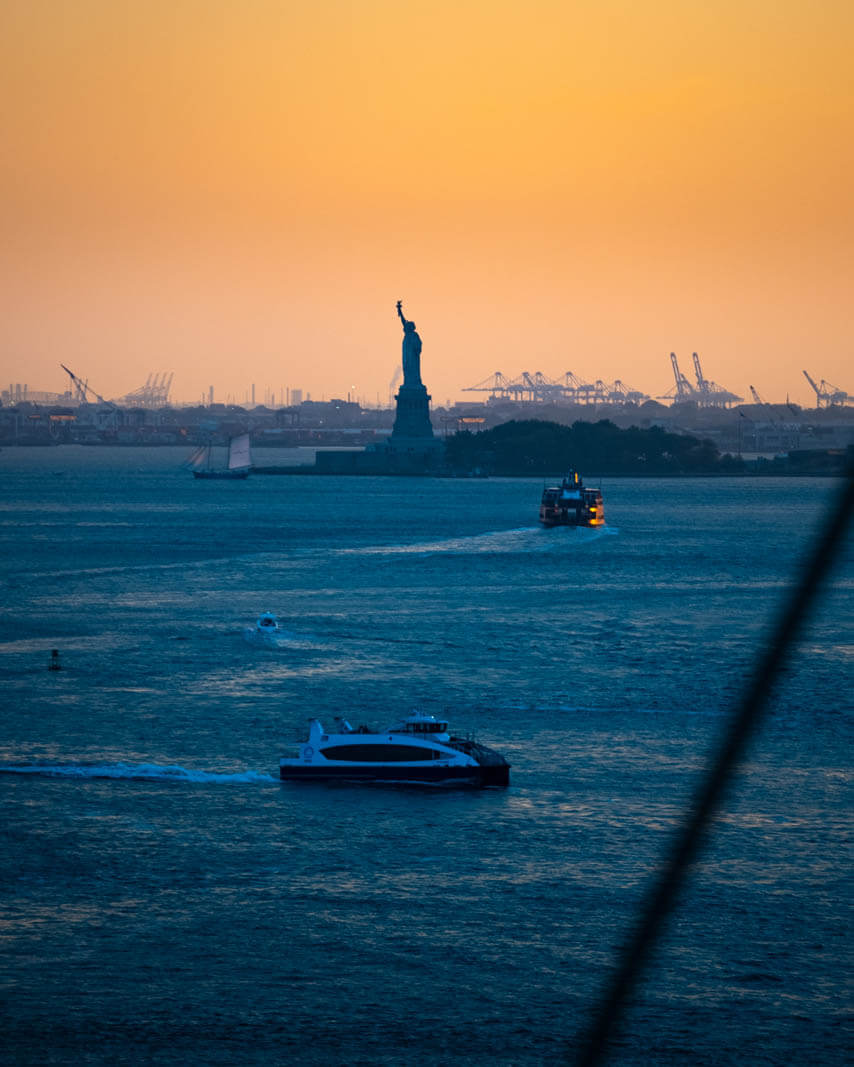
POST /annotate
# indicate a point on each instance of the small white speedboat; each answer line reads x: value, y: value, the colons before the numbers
x: 267, y: 623
x: 267, y: 631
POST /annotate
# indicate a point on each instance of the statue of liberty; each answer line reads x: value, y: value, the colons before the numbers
x: 411, y: 351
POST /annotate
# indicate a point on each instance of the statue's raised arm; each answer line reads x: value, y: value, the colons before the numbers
x: 400, y: 312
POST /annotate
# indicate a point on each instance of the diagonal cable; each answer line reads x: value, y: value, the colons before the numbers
x: 662, y: 896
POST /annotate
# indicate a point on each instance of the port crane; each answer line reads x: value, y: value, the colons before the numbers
x: 705, y: 394
x: 826, y: 394
x: 82, y: 389
x: 154, y: 394
x: 712, y: 395
x: 684, y: 389
x: 536, y: 387
x: 496, y: 385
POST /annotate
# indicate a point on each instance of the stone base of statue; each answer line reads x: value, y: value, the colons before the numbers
x: 413, y: 414
x: 412, y: 448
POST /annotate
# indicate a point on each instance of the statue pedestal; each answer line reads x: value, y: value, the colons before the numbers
x: 413, y: 416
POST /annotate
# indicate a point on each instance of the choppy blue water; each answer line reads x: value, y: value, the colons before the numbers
x: 165, y: 898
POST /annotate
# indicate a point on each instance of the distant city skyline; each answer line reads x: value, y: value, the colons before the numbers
x: 239, y: 193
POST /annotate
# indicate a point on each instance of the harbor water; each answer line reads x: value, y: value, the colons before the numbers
x: 165, y: 898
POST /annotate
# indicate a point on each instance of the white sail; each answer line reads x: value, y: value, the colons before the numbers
x: 238, y: 453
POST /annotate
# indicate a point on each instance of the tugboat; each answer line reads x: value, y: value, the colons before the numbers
x: 418, y: 750
x: 570, y: 504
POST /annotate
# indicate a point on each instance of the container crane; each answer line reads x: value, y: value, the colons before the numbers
x: 702, y: 384
x: 82, y: 389
x: 154, y: 394
x: 818, y: 394
x: 711, y: 395
x: 684, y: 389
x: 827, y: 394
x: 535, y: 387
x: 834, y: 394
x: 496, y: 385
x: 626, y: 395
x: 78, y: 388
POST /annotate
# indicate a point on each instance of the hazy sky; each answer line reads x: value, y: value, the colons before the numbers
x: 240, y: 191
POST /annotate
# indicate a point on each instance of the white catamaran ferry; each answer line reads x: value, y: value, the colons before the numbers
x: 417, y: 750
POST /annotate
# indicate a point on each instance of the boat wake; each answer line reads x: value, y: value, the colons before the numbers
x: 277, y: 639
x: 524, y: 539
x: 135, y: 772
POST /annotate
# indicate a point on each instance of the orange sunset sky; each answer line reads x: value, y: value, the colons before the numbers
x: 240, y: 191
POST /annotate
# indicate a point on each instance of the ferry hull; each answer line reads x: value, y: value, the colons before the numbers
x: 473, y: 777
x: 570, y: 519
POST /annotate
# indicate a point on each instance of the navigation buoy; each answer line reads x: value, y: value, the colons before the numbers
x: 54, y: 664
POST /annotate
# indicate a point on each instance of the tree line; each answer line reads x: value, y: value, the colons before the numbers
x: 530, y: 446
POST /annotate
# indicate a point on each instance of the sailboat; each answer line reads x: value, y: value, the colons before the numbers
x: 239, y: 460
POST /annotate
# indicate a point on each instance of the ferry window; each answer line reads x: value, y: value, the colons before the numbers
x: 378, y: 753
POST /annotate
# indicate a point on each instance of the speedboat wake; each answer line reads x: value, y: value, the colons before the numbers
x: 526, y: 539
x: 134, y: 772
